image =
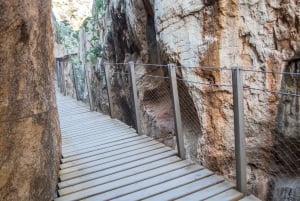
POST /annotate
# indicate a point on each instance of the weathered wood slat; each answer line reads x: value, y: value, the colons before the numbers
x: 120, y: 175
x: 78, y: 148
x: 93, y: 123
x: 99, y: 149
x: 104, y: 159
x: 187, y: 189
x: 208, y: 192
x: 97, y: 155
x: 123, y: 155
x: 96, y: 142
x: 144, y: 187
x: 113, y: 164
x: 112, y: 131
x: 230, y: 195
x: 89, y: 138
x: 167, y: 171
x: 116, y: 169
x: 167, y: 184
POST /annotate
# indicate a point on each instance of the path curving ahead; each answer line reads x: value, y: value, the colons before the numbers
x: 104, y: 159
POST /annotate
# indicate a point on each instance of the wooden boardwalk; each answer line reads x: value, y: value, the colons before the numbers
x: 104, y: 159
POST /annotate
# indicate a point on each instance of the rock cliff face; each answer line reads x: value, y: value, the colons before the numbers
x: 29, y: 128
x: 252, y: 34
x: 72, y: 11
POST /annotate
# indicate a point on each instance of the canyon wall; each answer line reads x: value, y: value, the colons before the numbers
x: 256, y: 35
x: 29, y: 126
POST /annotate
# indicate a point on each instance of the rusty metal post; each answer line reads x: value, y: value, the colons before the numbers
x: 240, y: 148
x: 135, y: 98
x: 108, y: 86
x: 176, y: 109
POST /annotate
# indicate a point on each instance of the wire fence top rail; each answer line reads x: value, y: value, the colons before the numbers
x: 213, y: 68
x: 211, y: 83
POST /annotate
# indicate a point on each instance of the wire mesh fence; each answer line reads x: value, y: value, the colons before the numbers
x: 122, y: 106
x: 272, y: 122
x: 206, y: 105
x: 271, y: 104
x: 157, y: 118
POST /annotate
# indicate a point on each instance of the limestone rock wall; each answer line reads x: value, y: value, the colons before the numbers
x: 29, y: 127
x: 253, y: 34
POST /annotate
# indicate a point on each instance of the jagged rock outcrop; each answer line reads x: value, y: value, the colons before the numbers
x: 29, y: 127
x: 256, y: 35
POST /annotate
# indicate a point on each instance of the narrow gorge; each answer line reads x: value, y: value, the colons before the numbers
x: 257, y: 36
x: 91, y: 49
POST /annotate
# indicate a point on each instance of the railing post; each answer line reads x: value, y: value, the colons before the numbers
x: 58, y: 74
x: 108, y: 86
x: 64, y: 88
x: 240, y: 149
x: 90, y: 91
x: 87, y: 83
x: 176, y: 109
x: 61, y: 77
x: 75, y: 83
x: 135, y: 98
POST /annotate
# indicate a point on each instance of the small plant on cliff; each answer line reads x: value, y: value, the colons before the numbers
x: 94, y: 53
x: 86, y: 24
x: 66, y: 36
x: 99, y: 6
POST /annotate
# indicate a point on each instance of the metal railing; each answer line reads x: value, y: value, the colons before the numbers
x: 144, y: 91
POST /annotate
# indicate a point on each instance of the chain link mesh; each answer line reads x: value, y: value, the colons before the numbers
x: 157, y: 118
x: 272, y: 117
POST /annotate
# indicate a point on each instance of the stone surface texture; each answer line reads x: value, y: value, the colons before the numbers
x: 259, y: 35
x: 29, y: 127
x: 73, y: 11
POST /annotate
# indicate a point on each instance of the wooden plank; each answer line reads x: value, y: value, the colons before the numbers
x: 89, y: 123
x: 67, y: 111
x: 99, y: 130
x: 73, y: 144
x: 73, y: 113
x: 105, y: 160
x: 77, y: 132
x: 95, y: 134
x: 88, y: 115
x: 98, y: 142
x: 140, y: 186
x: 230, y: 195
x: 167, y: 171
x: 113, y: 164
x: 99, y: 153
x: 76, y: 126
x: 122, y: 174
x: 110, y: 154
x: 116, y: 169
x: 95, y: 150
x: 111, y: 158
x: 187, y: 189
x: 80, y: 131
x: 85, y: 116
x: 208, y: 192
x: 164, y: 185
x: 70, y: 106
x: 100, y: 149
